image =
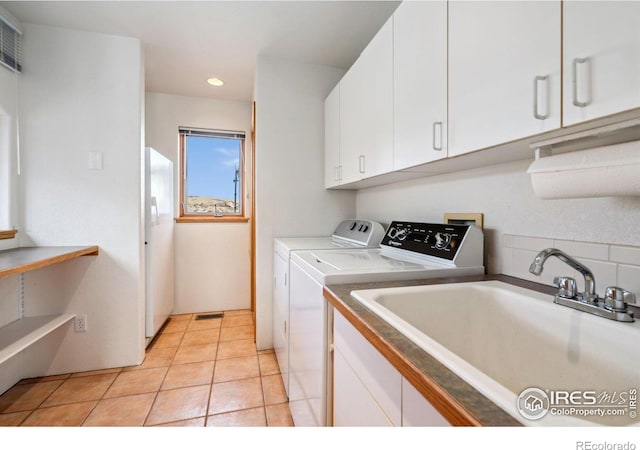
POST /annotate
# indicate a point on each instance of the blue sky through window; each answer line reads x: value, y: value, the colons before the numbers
x: 211, y: 166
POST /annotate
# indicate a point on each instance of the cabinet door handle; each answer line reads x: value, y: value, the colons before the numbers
x: 437, y: 136
x: 586, y: 63
x: 361, y: 164
x: 541, y: 96
x: 337, y: 173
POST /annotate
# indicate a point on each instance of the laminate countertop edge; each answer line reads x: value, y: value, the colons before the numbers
x: 459, y: 402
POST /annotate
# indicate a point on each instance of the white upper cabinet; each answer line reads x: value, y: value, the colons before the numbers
x: 332, y: 169
x: 419, y: 83
x: 366, y: 110
x: 601, y: 59
x: 504, y: 72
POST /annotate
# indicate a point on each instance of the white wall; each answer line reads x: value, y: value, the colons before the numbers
x: 82, y: 92
x: 290, y: 197
x: 504, y: 194
x: 212, y: 260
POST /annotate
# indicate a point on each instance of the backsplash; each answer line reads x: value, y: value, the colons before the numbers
x: 612, y: 265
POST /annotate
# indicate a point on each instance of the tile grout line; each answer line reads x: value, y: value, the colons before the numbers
x: 43, y: 400
x: 264, y: 397
x: 213, y: 374
x: 157, y: 392
x: 120, y: 371
x: 101, y: 397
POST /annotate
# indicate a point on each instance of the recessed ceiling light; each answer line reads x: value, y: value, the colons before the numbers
x: 215, y: 81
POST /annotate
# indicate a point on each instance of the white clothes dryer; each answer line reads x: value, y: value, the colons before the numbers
x: 351, y: 233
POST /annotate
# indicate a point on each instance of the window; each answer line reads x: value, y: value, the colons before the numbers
x: 10, y: 46
x: 212, y: 167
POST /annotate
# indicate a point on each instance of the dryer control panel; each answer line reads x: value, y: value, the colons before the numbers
x: 358, y: 231
x: 433, y: 239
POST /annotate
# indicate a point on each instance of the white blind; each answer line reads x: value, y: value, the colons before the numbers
x: 212, y: 133
x: 10, y: 51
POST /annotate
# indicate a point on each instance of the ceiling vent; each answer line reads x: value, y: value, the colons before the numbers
x: 10, y: 46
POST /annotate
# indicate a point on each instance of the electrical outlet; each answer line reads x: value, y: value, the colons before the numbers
x: 81, y: 323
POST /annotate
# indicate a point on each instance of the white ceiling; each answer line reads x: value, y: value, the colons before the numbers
x: 186, y: 42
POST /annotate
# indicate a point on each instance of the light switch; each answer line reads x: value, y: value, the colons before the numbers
x: 95, y: 160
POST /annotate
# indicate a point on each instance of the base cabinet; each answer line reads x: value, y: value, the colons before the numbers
x: 353, y: 404
x: 368, y: 390
x: 417, y: 411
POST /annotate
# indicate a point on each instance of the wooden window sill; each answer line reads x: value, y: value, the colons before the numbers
x: 8, y: 234
x: 212, y: 219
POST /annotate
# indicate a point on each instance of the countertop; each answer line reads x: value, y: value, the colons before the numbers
x: 455, y: 399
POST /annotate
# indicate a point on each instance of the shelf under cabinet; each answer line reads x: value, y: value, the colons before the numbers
x: 21, y: 333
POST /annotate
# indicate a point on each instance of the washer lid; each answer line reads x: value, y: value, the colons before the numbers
x: 360, y: 260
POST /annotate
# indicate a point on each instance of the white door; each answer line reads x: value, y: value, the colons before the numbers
x: 366, y: 110
x: 504, y: 72
x: 158, y: 189
x: 419, y: 83
x: 601, y: 58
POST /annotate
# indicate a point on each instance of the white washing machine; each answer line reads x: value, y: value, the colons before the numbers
x: 349, y: 234
x: 409, y: 250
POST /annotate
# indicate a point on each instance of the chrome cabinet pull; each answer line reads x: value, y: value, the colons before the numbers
x: 361, y: 164
x: 587, y: 63
x: 536, y: 97
x: 437, y: 131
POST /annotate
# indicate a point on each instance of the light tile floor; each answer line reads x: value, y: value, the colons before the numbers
x: 195, y: 373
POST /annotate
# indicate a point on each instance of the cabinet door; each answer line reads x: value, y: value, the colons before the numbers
x: 332, y: 167
x: 417, y: 411
x: 281, y: 316
x: 419, y: 83
x: 601, y: 59
x: 380, y: 379
x: 366, y: 110
x: 504, y: 72
x: 353, y: 405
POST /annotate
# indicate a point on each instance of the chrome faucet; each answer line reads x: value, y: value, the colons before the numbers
x: 614, y: 304
x: 589, y: 294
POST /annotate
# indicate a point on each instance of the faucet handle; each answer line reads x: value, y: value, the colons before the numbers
x: 567, y: 287
x: 616, y: 298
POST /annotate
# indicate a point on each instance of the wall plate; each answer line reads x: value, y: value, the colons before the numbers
x: 476, y: 219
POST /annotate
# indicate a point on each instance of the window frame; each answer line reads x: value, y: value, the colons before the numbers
x: 204, y: 218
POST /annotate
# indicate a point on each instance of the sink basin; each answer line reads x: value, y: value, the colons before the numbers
x: 504, y: 339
